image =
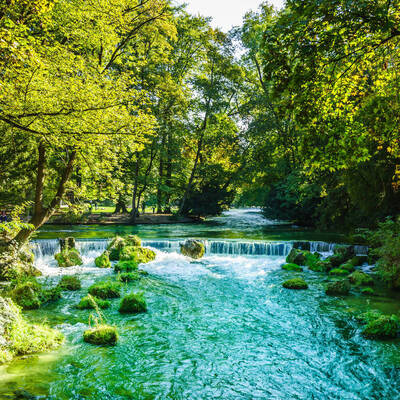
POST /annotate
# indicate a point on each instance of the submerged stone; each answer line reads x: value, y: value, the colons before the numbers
x: 193, y: 248
x: 292, y: 267
x: 296, y: 283
x: 103, y: 261
x: 140, y: 255
x: 133, y: 303
x: 339, y: 288
x: 320, y: 266
x: 101, y: 335
x: 133, y: 240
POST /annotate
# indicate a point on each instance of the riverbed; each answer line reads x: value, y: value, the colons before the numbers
x: 218, y: 328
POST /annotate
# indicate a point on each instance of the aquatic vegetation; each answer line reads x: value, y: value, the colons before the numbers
x: 68, y: 258
x: 339, y: 288
x: 339, y: 272
x: 103, y: 261
x: 18, y: 337
x: 91, y: 303
x: 296, y: 283
x: 383, y: 327
x: 193, y: 248
x: 133, y: 303
x: 129, y: 276
x: 359, y: 278
x: 292, y: 267
x: 126, y: 266
x: 102, y: 335
x: 105, y: 290
x: 70, y: 282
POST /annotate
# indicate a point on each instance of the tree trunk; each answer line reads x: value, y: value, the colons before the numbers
x: 134, y: 211
x: 161, y: 176
x: 168, y: 180
x: 120, y: 207
x: 40, y: 214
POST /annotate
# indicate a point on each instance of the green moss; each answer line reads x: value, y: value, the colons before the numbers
x: 359, y: 278
x: 292, y: 267
x: 133, y: 240
x: 368, y: 291
x: 105, y: 290
x: 384, y: 327
x: 348, y: 267
x: 68, y: 258
x: 142, y: 272
x: 339, y: 272
x: 133, y: 303
x: 296, y: 283
x: 357, y: 261
x: 346, y: 251
x: 138, y: 254
x: 320, y: 266
x: 126, y: 266
x: 115, y: 247
x: 27, y: 295
x: 102, y: 335
x: 336, y: 260
x: 103, y: 261
x: 193, y: 248
x: 129, y: 276
x: 91, y: 302
x: 68, y: 282
x: 339, y: 288
x: 50, y: 295
x: 296, y: 256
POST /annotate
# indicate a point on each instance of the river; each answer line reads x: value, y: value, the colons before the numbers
x: 219, y: 328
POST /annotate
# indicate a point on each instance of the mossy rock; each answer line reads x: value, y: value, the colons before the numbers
x: 384, y: 327
x: 126, y: 266
x: 68, y: 258
x: 336, y: 260
x: 68, y: 282
x: 103, y: 261
x: 368, y: 291
x: 348, y: 267
x: 133, y: 240
x: 50, y: 295
x: 141, y: 255
x: 296, y: 256
x: 27, y: 295
x: 91, y: 302
x: 101, y: 335
x: 358, y: 261
x: 292, y: 267
x: 129, y: 277
x: 133, y: 303
x: 105, y: 290
x: 115, y: 247
x: 359, y: 278
x: 296, y: 284
x: 346, y: 251
x: 339, y: 288
x: 320, y: 266
x: 193, y: 249
x: 338, y: 272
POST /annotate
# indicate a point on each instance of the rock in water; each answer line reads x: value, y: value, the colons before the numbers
x: 193, y: 248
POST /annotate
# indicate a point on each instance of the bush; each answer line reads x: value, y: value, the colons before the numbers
x: 133, y: 303
x: 105, y: 290
x: 292, y: 267
x: 70, y: 283
x: 368, y: 291
x: 126, y: 266
x: 103, y: 261
x: 101, y: 335
x: 296, y: 283
x: 91, y: 303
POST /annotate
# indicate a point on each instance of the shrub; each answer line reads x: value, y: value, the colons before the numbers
x: 103, y: 261
x: 292, y: 267
x: 296, y: 283
x: 105, y: 290
x: 133, y: 303
x: 70, y: 283
x: 101, y: 335
x: 91, y: 303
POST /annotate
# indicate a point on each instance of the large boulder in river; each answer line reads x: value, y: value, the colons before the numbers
x: 193, y: 248
x: 68, y: 258
x: 339, y: 288
x: 296, y: 256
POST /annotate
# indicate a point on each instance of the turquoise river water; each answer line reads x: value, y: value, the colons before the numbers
x: 219, y: 328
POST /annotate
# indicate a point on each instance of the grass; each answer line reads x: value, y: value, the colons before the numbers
x: 133, y: 303
x: 101, y: 335
x: 92, y: 303
x: 70, y: 283
x: 105, y: 290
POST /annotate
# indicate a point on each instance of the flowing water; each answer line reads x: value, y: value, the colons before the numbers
x: 218, y: 328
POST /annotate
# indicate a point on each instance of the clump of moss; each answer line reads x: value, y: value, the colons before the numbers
x: 70, y: 283
x: 320, y: 266
x: 296, y: 283
x: 339, y: 288
x: 193, y: 248
x: 115, y: 247
x: 126, y: 266
x: 383, y: 327
x: 292, y: 267
x: 359, y: 278
x: 68, y: 258
x: 19, y: 337
x: 91, y: 303
x: 141, y: 255
x: 133, y: 303
x: 339, y: 272
x: 296, y: 256
x: 50, y: 295
x: 105, y: 290
x: 103, y: 261
x: 101, y: 335
x: 133, y: 240
x: 27, y: 295
x: 348, y: 267
x: 142, y: 272
x: 129, y: 277
x: 368, y: 291
x: 357, y: 261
